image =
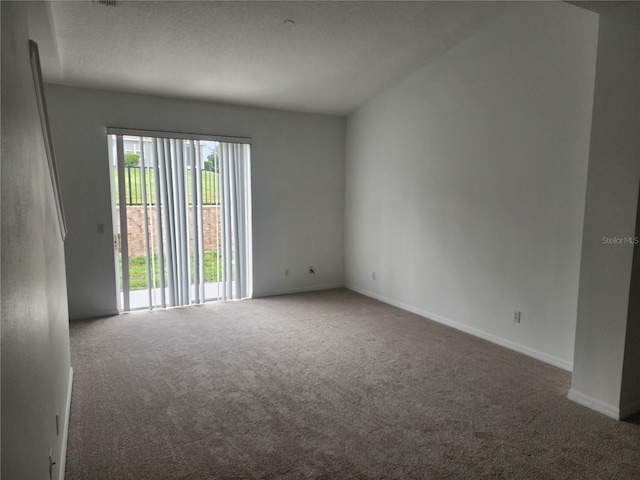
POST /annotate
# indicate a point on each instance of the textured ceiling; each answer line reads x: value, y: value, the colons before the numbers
x: 337, y: 56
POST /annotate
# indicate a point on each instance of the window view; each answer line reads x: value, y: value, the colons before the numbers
x: 183, y: 213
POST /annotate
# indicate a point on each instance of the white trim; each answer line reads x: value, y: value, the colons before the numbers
x: 124, y: 236
x: 65, y: 431
x: 177, y: 135
x: 87, y: 316
x: 629, y: 410
x: 311, y: 288
x: 544, y: 357
x: 594, y: 404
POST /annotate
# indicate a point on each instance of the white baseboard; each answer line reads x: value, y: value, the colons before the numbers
x: 557, y: 362
x: 311, y: 288
x: 594, y: 404
x: 65, y: 431
x: 87, y: 316
x: 629, y: 410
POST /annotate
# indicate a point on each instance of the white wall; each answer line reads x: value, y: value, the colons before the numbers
x: 35, y: 330
x: 465, y: 183
x: 297, y: 178
x: 611, y: 211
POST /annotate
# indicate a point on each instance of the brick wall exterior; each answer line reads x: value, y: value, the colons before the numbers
x: 211, y: 219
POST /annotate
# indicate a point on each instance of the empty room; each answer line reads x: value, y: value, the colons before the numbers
x: 320, y: 240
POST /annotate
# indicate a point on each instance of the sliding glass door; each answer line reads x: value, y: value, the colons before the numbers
x: 182, y: 208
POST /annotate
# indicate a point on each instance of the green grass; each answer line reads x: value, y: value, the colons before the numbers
x: 138, y: 270
x: 133, y: 188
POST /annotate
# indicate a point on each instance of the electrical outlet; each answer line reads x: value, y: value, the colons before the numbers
x: 311, y: 271
x: 286, y: 272
x: 373, y: 275
x: 100, y: 229
x: 516, y: 316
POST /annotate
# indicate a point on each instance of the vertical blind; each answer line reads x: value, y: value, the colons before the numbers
x: 236, y: 219
x: 170, y: 194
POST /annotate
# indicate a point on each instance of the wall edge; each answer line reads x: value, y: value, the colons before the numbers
x: 530, y: 352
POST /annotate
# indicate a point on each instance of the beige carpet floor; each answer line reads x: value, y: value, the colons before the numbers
x: 325, y: 385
